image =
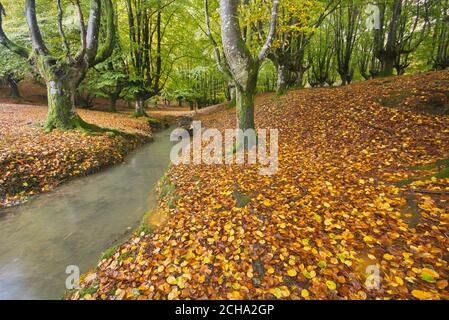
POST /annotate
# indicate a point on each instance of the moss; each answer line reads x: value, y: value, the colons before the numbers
x: 144, y: 225
x: 439, y: 163
x: 166, y: 187
x: 124, y: 256
x: 279, y: 93
x: 241, y: 199
x: 231, y: 104
x: 443, y: 173
x: 88, y: 290
x: 412, y: 209
x: 140, y: 114
x: 155, y: 124
x: 84, y: 127
x: 171, y: 203
x: 109, y: 252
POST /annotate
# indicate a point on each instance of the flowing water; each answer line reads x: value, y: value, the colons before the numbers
x: 75, y: 223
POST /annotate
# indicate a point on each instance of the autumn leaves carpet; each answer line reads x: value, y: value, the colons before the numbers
x: 339, y: 211
x: 32, y: 161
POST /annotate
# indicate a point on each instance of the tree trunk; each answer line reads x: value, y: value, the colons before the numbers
x: 299, y: 82
x: 245, y: 116
x: 61, y: 107
x: 113, y: 104
x: 245, y: 110
x: 282, y: 82
x: 140, y: 108
x: 387, y: 67
x: 233, y: 94
x: 14, y: 88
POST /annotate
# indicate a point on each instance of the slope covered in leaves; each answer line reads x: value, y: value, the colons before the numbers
x: 32, y: 161
x: 312, y: 230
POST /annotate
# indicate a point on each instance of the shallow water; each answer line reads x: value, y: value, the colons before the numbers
x: 78, y: 221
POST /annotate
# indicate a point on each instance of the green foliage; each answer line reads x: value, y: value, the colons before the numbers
x: 12, y: 66
x: 185, y: 60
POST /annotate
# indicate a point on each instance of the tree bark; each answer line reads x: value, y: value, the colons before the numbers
x: 61, y: 106
x: 282, y: 81
x: 388, y: 66
x: 239, y: 63
x: 14, y: 88
x: 112, y: 103
x: 140, y: 108
x: 63, y: 76
x: 245, y: 109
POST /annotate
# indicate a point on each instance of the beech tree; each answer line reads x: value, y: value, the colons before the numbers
x: 63, y: 75
x: 147, y: 23
x: 237, y: 61
x: 440, y: 40
x: 346, y: 25
x: 403, y: 26
x: 322, y: 57
x: 13, y: 70
x: 297, y: 26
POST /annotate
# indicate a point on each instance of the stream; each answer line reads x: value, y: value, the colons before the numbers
x: 75, y: 223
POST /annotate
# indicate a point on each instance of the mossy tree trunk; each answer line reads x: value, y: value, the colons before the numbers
x: 63, y: 75
x: 239, y: 64
x: 282, y: 82
x: 14, y: 87
x: 113, y: 103
x: 388, y: 66
x: 245, y: 109
x: 140, y: 108
x: 61, y: 106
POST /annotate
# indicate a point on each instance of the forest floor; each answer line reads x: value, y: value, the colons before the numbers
x: 33, y: 161
x: 337, y: 210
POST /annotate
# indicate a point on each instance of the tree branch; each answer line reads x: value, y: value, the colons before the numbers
x: 107, y: 49
x: 93, y: 30
x: 35, y: 32
x: 221, y: 66
x: 272, y: 33
x: 83, y: 46
x: 4, y: 40
x: 65, y: 44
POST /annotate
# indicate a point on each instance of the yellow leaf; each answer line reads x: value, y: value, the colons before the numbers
x: 430, y: 272
x: 442, y: 284
x: 331, y: 285
x: 422, y: 295
x: 388, y: 256
x: 171, y: 280
x: 292, y: 273
x: 399, y: 281
x: 270, y: 270
x: 276, y: 292
x: 304, y: 293
x: 259, y: 233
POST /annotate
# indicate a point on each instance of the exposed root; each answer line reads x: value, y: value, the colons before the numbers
x: 76, y: 123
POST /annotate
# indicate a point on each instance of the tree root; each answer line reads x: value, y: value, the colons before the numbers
x: 140, y: 114
x: 76, y: 123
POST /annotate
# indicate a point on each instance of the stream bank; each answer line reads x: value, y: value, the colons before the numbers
x: 76, y: 222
